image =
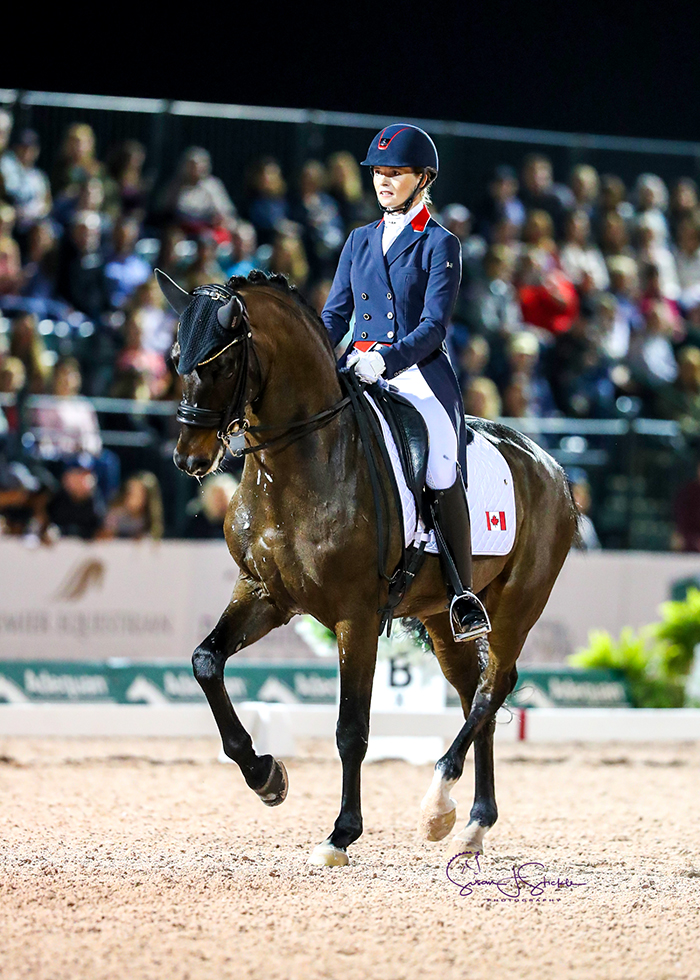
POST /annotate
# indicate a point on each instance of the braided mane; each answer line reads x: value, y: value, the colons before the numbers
x: 280, y: 282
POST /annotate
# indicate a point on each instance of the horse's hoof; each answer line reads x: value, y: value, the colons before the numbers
x: 326, y: 855
x: 470, y: 841
x: 275, y: 789
x: 436, y: 826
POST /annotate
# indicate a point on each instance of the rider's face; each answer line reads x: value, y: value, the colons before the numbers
x: 394, y: 185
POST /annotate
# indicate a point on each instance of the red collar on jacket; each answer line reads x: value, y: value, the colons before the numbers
x: 419, y: 222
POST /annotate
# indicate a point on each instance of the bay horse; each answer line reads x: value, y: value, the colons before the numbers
x: 302, y: 530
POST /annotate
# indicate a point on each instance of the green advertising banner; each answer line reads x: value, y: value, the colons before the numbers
x: 162, y: 683
x: 123, y: 682
x: 565, y: 687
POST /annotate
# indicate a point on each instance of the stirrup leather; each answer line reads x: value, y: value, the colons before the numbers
x: 471, y: 622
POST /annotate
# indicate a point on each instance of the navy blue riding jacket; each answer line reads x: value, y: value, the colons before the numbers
x: 404, y: 300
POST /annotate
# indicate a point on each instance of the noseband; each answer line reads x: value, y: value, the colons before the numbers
x: 208, y: 418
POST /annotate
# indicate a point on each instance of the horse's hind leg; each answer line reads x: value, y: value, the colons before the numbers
x: 247, y: 618
x: 461, y: 664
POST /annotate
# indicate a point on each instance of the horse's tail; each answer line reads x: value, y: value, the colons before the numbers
x: 416, y: 630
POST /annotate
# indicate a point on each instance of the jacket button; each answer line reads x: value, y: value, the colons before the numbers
x: 390, y: 334
x: 389, y: 296
x: 364, y: 335
x: 366, y: 316
x: 365, y: 296
x: 390, y: 316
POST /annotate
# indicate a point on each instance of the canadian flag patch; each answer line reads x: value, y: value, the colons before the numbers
x: 495, y: 520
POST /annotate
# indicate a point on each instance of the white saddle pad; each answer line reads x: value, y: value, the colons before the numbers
x: 489, y: 491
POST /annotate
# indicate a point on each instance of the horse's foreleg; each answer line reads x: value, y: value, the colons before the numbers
x: 357, y: 646
x: 248, y: 617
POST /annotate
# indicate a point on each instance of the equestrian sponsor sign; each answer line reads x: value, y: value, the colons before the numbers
x: 130, y: 683
x: 398, y: 683
x: 564, y: 687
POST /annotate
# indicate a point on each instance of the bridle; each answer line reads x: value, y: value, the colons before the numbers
x: 231, y: 421
x: 208, y: 418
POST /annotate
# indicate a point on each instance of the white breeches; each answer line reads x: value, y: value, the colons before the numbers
x: 442, y: 453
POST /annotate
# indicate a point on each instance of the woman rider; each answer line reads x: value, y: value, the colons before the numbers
x: 400, y: 276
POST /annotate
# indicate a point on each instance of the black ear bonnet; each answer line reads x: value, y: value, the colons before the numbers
x: 209, y: 317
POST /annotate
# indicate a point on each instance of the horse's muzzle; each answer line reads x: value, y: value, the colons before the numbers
x: 192, y: 464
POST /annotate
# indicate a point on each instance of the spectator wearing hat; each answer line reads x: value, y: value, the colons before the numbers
x: 26, y: 186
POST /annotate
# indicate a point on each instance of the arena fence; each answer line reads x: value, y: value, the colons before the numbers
x: 236, y: 134
x: 634, y: 465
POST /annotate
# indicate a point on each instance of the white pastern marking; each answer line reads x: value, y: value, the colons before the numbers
x: 438, y: 800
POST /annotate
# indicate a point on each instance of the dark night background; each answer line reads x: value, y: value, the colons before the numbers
x: 592, y: 67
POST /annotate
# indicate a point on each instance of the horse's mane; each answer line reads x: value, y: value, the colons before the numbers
x: 280, y: 282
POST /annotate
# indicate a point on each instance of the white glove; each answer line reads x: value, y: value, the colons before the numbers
x: 369, y: 365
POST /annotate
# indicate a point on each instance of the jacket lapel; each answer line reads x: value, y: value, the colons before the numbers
x: 375, y: 245
x: 410, y: 234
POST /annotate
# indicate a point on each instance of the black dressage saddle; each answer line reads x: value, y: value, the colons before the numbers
x: 410, y: 434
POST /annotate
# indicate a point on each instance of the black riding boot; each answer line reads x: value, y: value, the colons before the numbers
x: 468, y: 617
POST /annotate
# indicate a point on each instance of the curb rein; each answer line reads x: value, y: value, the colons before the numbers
x: 207, y: 418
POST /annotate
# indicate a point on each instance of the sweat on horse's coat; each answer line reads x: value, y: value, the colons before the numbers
x: 309, y: 545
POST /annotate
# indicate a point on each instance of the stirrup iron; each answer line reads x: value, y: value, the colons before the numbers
x: 477, y: 619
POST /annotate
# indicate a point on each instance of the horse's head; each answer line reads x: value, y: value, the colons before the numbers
x: 211, y: 355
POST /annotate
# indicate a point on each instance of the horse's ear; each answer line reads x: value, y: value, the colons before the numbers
x: 228, y: 314
x: 178, y: 298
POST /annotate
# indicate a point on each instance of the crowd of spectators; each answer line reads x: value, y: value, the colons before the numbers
x: 574, y: 295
